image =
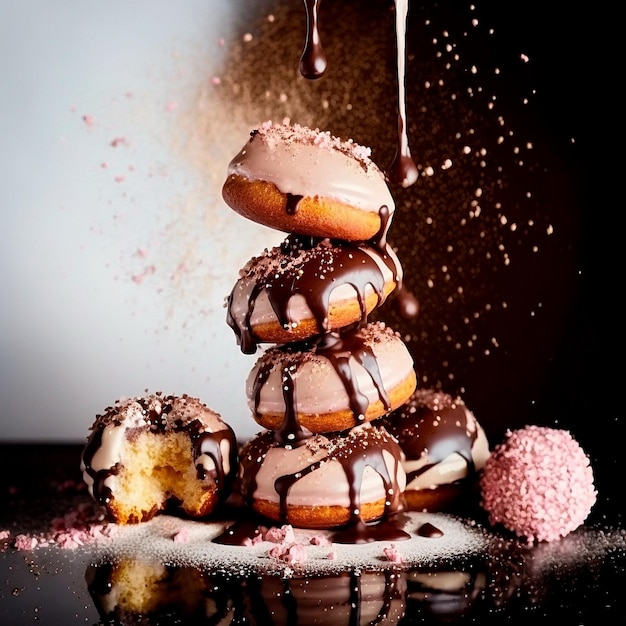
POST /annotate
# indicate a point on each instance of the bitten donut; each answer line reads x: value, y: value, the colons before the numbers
x: 444, y: 449
x: 327, y: 481
x: 308, y: 286
x: 333, y: 383
x: 299, y: 180
x: 149, y: 454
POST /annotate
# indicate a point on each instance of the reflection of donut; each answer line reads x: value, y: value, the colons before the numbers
x: 444, y: 591
x: 444, y: 448
x: 327, y: 481
x: 305, y: 287
x: 304, y: 181
x: 147, y: 454
x: 132, y: 591
x: 346, y: 598
x: 332, y: 384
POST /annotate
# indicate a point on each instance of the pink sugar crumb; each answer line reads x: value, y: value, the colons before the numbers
x: 274, y: 134
x: 538, y: 483
x: 4, y: 534
x: 280, y: 535
x: 392, y: 554
x: 293, y: 553
x: 320, y: 540
x: 182, y: 536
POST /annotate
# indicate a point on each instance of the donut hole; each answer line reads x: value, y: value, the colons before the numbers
x: 159, y: 473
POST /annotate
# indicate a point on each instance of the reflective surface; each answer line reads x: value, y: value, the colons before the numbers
x: 578, y: 580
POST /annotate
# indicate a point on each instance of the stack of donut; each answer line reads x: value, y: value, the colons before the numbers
x: 327, y: 373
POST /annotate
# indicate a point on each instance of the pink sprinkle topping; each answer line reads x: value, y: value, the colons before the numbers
x: 280, y: 535
x: 392, y: 554
x: 276, y: 134
x: 293, y: 553
x: 538, y: 483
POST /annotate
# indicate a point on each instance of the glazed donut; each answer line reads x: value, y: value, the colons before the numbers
x: 150, y: 454
x: 331, y: 383
x: 307, y: 286
x: 299, y: 180
x: 444, y: 450
x: 328, y: 481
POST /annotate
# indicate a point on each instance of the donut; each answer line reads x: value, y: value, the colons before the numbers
x: 331, y: 383
x: 538, y: 483
x: 326, y: 481
x: 298, y: 180
x: 149, y: 454
x: 444, y: 449
x: 308, y: 286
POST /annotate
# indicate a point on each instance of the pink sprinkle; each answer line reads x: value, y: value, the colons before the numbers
x: 292, y: 553
x: 139, y: 278
x: 89, y: 120
x: 280, y: 535
x: 119, y: 178
x: 320, y: 540
x: 25, y: 542
x: 104, y: 165
x: 119, y: 141
x: 171, y: 106
x: 393, y: 555
x: 182, y: 536
x: 247, y: 37
x: 216, y: 80
x: 538, y: 483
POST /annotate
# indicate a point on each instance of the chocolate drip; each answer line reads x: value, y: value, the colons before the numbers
x: 291, y: 207
x: 210, y: 444
x: 313, y: 60
x: 290, y: 431
x: 403, y: 169
x: 319, y: 267
x: 430, y: 531
x: 389, y: 529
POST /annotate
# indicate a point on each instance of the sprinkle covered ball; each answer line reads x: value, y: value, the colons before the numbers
x: 538, y: 483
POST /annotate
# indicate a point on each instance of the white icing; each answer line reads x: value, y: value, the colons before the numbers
x: 307, y: 169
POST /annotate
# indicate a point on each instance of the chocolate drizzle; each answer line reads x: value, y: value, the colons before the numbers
x: 433, y: 433
x: 312, y: 268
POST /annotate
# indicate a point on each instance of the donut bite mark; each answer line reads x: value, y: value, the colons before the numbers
x: 158, y: 453
x: 331, y: 383
x: 298, y: 180
x: 307, y: 286
x: 329, y: 480
x: 444, y: 450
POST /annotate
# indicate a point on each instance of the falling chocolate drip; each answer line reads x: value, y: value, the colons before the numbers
x: 313, y: 60
x: 403, y: 169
